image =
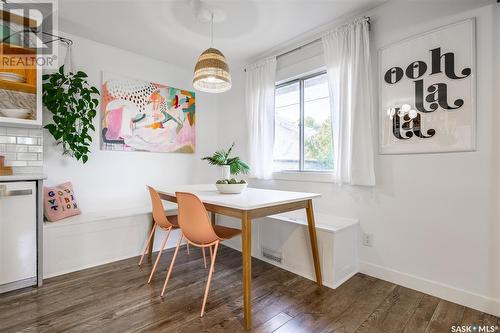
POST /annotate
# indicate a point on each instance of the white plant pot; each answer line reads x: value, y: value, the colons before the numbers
x: 231, y: 188
x: 226, y: 172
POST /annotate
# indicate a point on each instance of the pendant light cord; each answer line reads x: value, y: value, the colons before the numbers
x: 212, y: 30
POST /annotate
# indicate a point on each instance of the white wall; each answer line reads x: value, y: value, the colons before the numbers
x: 112, y: 180
x: 434, y: 217
x: 494, y: 257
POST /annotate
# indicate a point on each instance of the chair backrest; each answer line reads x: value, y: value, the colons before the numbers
x: 193, y: 219
x: 158, y: 209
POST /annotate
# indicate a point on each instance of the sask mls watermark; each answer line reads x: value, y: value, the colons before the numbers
x: 27, y: 34
x: 474, y: 328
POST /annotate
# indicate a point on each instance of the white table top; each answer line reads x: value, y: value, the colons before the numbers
x: 251, y: 198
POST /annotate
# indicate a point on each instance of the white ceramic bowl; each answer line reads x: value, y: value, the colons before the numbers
x: 15, y: 113
x: 231, y: 188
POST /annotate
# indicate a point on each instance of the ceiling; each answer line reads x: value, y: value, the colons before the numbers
x: 168, y: 30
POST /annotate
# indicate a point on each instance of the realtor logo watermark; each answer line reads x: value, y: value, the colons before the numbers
x: 27, y: 34
x: 474, y: 328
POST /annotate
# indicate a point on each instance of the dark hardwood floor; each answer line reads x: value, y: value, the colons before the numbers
x: 116, y: 298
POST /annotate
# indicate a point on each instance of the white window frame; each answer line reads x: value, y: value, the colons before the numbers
x: 303, y: 175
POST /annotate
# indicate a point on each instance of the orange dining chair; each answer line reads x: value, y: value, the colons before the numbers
x: 161, y: 221
x: 198, y: 230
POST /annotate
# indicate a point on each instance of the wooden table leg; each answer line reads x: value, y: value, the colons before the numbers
x: 212, y: 216
x: 314, y: 242
x: 246, y: 252
x: 150, y: 248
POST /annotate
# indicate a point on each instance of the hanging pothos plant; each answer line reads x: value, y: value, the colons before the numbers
x: 73, y: 103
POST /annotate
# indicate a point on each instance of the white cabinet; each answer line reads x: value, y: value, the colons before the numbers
x: 18, y: 235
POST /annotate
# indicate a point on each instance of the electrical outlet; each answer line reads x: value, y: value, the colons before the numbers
x: 367, y: 239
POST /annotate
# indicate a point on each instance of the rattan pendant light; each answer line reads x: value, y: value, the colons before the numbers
x: 211, y: 73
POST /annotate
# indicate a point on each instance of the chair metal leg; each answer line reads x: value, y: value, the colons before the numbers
x: 204, y: 258
x: 172, y: 264
x: 209, y: 278
x: 187, y: 248
x: 211, y: 254
x: 159, y: 255
x: 147, y: 243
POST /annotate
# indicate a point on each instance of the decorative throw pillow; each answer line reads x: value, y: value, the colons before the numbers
x: 59, y: 202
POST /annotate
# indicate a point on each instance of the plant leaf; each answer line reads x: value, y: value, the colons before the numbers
x: 72, y: 102
x: 221, y: 157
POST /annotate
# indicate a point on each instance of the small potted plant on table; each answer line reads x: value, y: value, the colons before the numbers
x: 231, y: 167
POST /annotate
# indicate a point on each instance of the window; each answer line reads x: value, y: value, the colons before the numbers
x: 303, y: 125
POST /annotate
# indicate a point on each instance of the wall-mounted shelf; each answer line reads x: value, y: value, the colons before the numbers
x: 22, y: 61
x: 17, y: 86
x: 18, y: 19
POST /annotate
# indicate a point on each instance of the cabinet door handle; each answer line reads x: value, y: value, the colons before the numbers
x: 14, y: 193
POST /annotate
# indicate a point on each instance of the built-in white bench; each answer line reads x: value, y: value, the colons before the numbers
x: 283, y: 240
x: 96, y: 238
x: 324, y: 222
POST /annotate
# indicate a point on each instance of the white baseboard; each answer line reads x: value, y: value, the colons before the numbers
x: 456, y: 295
x: 339, y: 283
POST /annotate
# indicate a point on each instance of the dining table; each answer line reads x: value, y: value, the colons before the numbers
x: 252, y: 203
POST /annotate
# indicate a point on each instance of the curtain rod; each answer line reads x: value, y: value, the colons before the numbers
x: 312, y: 42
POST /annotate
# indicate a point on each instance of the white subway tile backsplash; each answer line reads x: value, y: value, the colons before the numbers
x: 16, y: 163
x: 17, y: 131
x: 27, y: 169
x: 35, y: 133
x: 27, y: 156
x: 35, y: 163
x: 22, y: 148
x: 7, y: 139
x: 35, y: 149
x: 27, y: 141
x: 16, y: 148
x: 9, y: 157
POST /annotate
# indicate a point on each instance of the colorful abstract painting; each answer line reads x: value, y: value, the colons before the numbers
x: 144, y: 116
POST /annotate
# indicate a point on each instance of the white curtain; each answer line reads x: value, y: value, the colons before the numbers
x: 347, y: 57
x: 260, y: 82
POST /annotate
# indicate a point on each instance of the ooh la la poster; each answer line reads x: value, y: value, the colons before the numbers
x: 427, y: 92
